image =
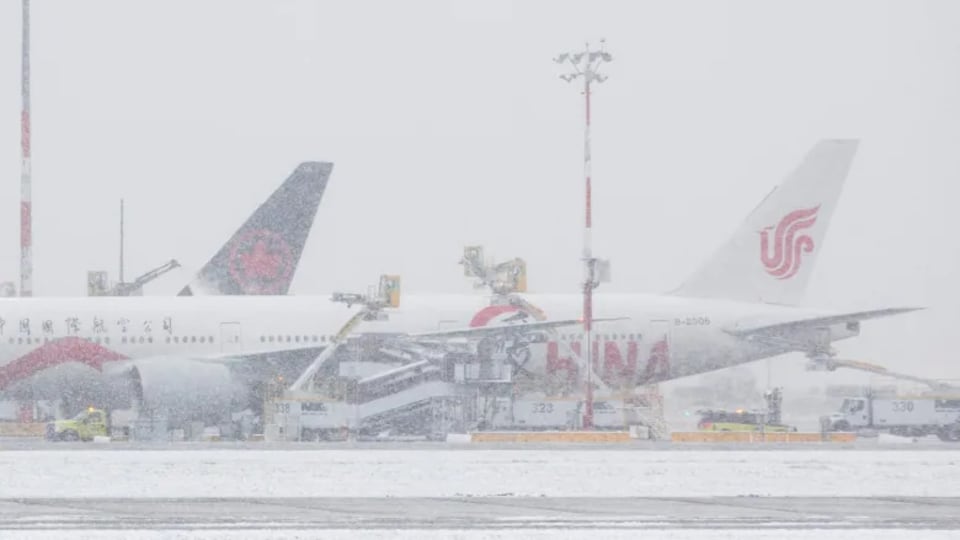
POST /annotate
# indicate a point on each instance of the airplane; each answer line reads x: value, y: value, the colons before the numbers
x: 743, y: 304
x: 262, y: 256
x: 735, y: 309
x: 259, y: 259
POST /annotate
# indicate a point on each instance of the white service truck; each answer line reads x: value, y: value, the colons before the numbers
x: 907, y: 416
x: 312, y: 420
x: 556, y: 414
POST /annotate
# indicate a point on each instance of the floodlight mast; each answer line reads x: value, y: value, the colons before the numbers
x: 586, y: 65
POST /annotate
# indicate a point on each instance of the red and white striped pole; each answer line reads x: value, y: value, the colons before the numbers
x: 26, y: 412
x: 586, y: 65
x: 26, y: 217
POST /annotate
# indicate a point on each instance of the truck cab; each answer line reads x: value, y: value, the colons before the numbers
x: 82, y: 427
x: 854, y: 412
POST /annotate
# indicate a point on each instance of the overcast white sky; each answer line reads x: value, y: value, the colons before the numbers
x: 448, y: 126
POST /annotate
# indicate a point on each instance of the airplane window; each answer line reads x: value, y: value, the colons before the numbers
x: 322, y: 338
x: 168, y: 339
x: 149, y: 339
x: 210, y: 339
x: 288, y: 339
x: 176, y: 339
x: 263, y: 339
x: 193, y: 339
x: 296, y: 339
x: 123, y: 339
x: 20, y: 341
x: 203, y: 339
x: 106, y: 340
x: 271, y: 339
x: 141, y: 339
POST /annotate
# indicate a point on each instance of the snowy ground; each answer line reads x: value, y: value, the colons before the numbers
x: 541, y: 534
x: 472, y: 494
x: 440, y: 473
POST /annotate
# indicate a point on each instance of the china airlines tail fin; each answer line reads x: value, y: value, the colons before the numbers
x: 772, y: 254
x: 262, y: 256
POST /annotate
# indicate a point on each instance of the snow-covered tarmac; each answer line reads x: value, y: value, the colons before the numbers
x: 467, y: 493
x: 478, y: 473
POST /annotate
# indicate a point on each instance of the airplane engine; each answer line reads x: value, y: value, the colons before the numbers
x: 185, y: 390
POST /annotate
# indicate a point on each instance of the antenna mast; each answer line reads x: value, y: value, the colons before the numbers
x: 26, y: 216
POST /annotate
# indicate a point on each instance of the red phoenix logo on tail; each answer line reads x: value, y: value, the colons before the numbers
x: 788, y: 245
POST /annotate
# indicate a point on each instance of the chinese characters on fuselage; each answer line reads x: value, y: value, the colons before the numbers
x: 75, y: 326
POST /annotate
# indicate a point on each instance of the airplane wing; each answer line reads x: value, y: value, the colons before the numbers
x: 770, y: 330
x: 502, y: 329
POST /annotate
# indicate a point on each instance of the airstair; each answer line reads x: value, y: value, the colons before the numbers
x: 397, y: 397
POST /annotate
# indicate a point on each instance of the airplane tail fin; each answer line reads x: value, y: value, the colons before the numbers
x: 262, y: 255
x: 772, y: 254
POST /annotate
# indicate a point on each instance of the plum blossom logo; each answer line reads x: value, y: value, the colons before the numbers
x: 782, y: 260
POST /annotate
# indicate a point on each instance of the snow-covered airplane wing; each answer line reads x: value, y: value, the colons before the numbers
x: 502, y: 329
x: 799, y: 325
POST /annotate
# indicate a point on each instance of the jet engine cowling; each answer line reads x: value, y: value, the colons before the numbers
x: 185, y: 390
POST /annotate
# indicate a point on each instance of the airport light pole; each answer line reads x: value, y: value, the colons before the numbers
x: 586, y: 65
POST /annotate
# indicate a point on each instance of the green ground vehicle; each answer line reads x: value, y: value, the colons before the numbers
x: 741, y: 420
x: 82, y: 427
x: 738, y: 421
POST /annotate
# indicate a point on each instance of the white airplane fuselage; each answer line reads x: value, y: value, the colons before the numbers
x: 693, y: 335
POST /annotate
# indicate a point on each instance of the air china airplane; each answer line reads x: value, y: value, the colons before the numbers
x: 735, y: 309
